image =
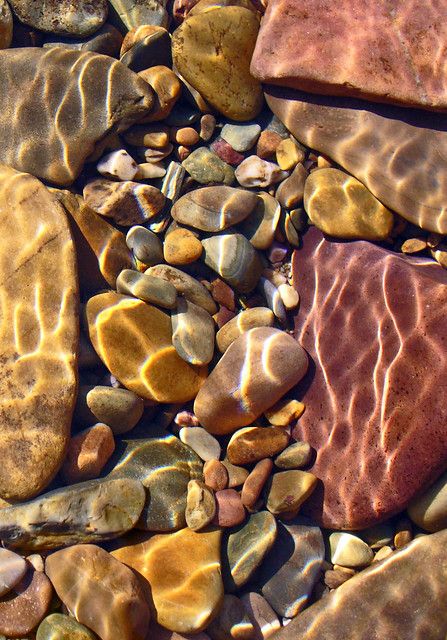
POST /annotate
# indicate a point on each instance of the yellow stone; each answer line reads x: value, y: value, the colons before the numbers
x: 134, y: 340
x: 184, y: 574
x: 181, y: 247
x: 284, y: 412
x: 288, y: 154
x: 167, y: 88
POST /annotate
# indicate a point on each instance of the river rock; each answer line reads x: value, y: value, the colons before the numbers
x: 12, y: 570
x: 254, y: 372
x: 260, y: 226
x: 167, y: 88
x: 255, y: 443
x: 147, y: 288
x: 291, y: 190
x: 192, y: 332
x: 205, y: 167
x: 188, y: 591
x: 288, y: 491
x: 130, y: 13
x: 6, y: 25
x: 104, y: 594
x: 61, y: 627
x: 67, y: 17
x: 133, y: 339
x: 145, y: 244
x: 106, y: 40
x: 215, y: 475
x: 146, y: 46
x: 38, y: 342
x: 241, y: 137
x: 232, y: 621
x: 120, y: 409
x: 393, y: 139
x: 203, y: 443
x: 348, y: 550
x: 429, y: 510
x: 391, y: 356
x: 234, y: 259
x: 244, y: 321
x: 200, y: 505
x: 181, y: 246
x: 255, y: 483
x: 88, y: 452
x: 263, y: 618
x: 186, y: 285
x: 165, y: 466
x: 51, y: 130
x: 230, y: 511
x: 297, y: 455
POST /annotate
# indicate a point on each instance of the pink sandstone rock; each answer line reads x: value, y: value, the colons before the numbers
x: 375, y: 49
x: 374, y: 325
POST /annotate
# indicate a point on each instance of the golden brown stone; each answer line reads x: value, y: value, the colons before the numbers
x: 244, y: 321
x: 167, y: 88
x: 5, y: 25
x: 181, y: 247
x: 288, y: 491
x: 255, y: 443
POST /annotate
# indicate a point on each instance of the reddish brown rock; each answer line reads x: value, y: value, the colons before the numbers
x: 387, y: 52
x: 375, y: 404
x: 229, y: 508
x: 87, y: 454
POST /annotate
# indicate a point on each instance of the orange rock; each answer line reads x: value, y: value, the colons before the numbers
x: 88, y: 452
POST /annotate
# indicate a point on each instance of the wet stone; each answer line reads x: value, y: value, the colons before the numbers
x: 167, y: 88
x: 88, y: 452
x: 255, y: 483
x: 229, y: 509
x: 241, y: 137
x: 261, y: 225
x: 6, y: 25
x: 203, y: 443
x: 12, y: 570
x: 288, y: 491
x: 288, y: 154
x: 107, y: 40
x: 120, y: 409
x: 284, y: 412
x: 297, y: 455
x: 147, y: 288
x: 273, y: 298
x: 232, y: 621
x: 379, y: 535
x: 186, y: 285
x: 267, y: 144
x: 130, y: 14
x: 67, y: 17
x: 429, y: 510
x: 263, y: 618
x: 291, y: 190
x: 255, y: 443
x: 226, y: 152
x: 215, y: 475
x: 242, y: 322
x: 146, y: 46
x: 255, y: 172
x: 145, y: 245
x: 206, y: 168
x: 223, y: 294
x: 200, y: 505
x: 236, y: 475
x: 348, y: 550
x: 192, y: 332
x: 61, y: 627
x: 234, y: 259
x: 181, y: 246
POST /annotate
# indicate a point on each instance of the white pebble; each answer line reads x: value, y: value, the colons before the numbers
x: 118, y: 164
x: 255, y: 172
x: 289, y: 296
x: 348, y: 550
x: 150, y: 170
x: 202, y: 442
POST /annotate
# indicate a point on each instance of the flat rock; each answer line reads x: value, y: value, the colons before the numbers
x: 234, y: 259
x: 12, y: 570
x: 66, y: 17
x: 88, y: 452
x: 229, y: 508
x: 361, y: 406
x: 402, y: 597
x: 392, y: 139
x: 263, y: 618
x: 192, y: 332
x: 76, y: 99
x: 58, y: 626
x: 373, y: 50
x: 39, y: 335
x: 186, y: 285
x: 203, y: 443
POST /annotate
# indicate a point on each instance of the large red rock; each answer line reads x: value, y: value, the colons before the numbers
x: 375, y: 49
x: 374, y: 324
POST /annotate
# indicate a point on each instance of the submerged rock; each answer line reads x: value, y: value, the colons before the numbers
x: 66, y: 17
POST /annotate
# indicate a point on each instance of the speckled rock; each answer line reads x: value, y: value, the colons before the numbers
x: 231, y: 256
x: 288, y: 491
x: 206, y: 168
x: 120, y: 409
x: 61, y: 627
x: 200, y: 505
x: 229, y: 508
x: 181, y: 246
x: 67, y: 17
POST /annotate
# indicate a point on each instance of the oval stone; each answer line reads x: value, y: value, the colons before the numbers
x: 234, y: 259
x: 12, y: 569
x: 185, y: 285
x: 120, y: 409
x: 244, y: 321
x: 147, y: 288
x: 255, y: 443
x: 61, y: 627
x: 66, y: 17
x: 429, y: 510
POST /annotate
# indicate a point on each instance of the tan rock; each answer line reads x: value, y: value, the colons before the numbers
x: 429, y: 510
x: 120, y: 409
x: 130, y: 14
x: 236, y: 475
x: 181, y: 247
x: 200, y: 505
x: 117, y: 165
x: 255, y: 482
x: 288, y: 491
x: 88, y: 452
x: 148, y: 135
x: 244, y: 321
x: 147, y: 288
x: 167, y: 88
x: 5, y: 25
x: 297, y: 455
x: 284, y: 412
x: 255, y: 443
x: 215, y: 475
x: 291, y: 190
x: 192, y: 332
x: 185, y: 285
x: 288, y: 154
x: 348, y: 550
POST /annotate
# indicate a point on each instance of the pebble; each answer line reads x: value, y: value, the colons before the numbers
x: 379, y: 535
x: 222, y: 294
x: 230, y: 511
x: 6, y: 25
x: 186, y: 136
x: 76, y: 574
x: 37, y: 561
x: 186, y: 419
x: 383, y: 553
x: 130, y: 14
x: 234, y: 259
x: 120, y: 409
x: 153, y: 136
x: 264, y: 620
x: 255, y: 443
x: 414, y: 245
x: 147, y: 288
x: 255, y: 483
x: 236, y: 475
x: 245, y: 548
x: 273, y: 298
x: 241, y: 137
x: 232, y: 621
x: 206, y: 168
x: 69, y: 17
x: 288, y: 230
x: 155, y: 155
x: 167, y: 89
x: 284, y: 412
x: 207, y: 126
x: 255, y: 172
x: 215, y: 475
x: 226, y: 152
x: 12, y: 570
x: 242, y: 322
x: 429, y: 510
x: 118, y: 165
x: 150, y: 171
x: 298, y: 218
x: 185, y: 285
x: 145, y: 245
x: 88, y: 452
x: 202, y: 442
x: 61, y: 627
x: 288, y: 491
x: 146, y: 46
x: 181, y: 247
x: 334, y: 578
x: 190, y: 582
x: 260, y: 226
x: 200, y: 505
x: 349, y: 551
x: 341, y: 206
x: 290, y: 192
x: 289, y: 296
x: 295, y: 456
x: 262, y: 364
x: 288, y: 154
x: 267, y: 144
x: 277, y: 253
x: 192, y: 333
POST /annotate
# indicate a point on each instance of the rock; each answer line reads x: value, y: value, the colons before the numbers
x: 207, y: 126
x: 267, y: 143
x: 192, y: 333
x: 241, y: 137
x: 288, y: 491
x: 214, y: 208
x: 200, y: 505
x: 429, y: 510
x: 223, y: 294
x: 165, y: 466
x: 417, y: 571
x: 263, y: 618
x: 186, y: 285
x: 261, y: 225
x: 120, y: 409
x: 215, y: 475
x: 342, y: 207
x: 297, y: 455
x: 107, y: 40
x: 236, y: 475
x: 26, y: 605
x: 234, y: 259
x: 273, y: 298
x: 147, y: 288
x: 60, y: 627
x: 206, y: 168
x: 133, y: 339
x: 6, y: 25
x: 117, y: 165
x: 348, y: 550
x: 259, y: 368
x: 396, y: 362
x: 55, y: 145
x: 188, y: 593
x: 146, y: 46
x: 38, y: 342
x: 291, y: 190
x: 64, y: 516
x: 335, y: 578
x: 202, y: 442
x: 12, y: 570
x: 245, y: 548
x: 226, y: 152
x: 181, y: 247
x: 88, y: 452
x: 284, y: 412
x: 293, y: 567
x: 130, y: 14
x: 167, y: 88
x: 80, y: 18
x: 242, y: 322
x: 150, y: 171
x: 392, y: 60
x: 255, y: 483
x: 255, y: 443
x: 255, y: 172
x: 229, y: 509
x: 227, y: 87
x: 289, y: 296
x: 145, y: 245
x: 90, y: 582
x: 379, y: 535
x: 288, y: 154
x: 232, y: 621
x: 152, y: 136
x: 393, y: 139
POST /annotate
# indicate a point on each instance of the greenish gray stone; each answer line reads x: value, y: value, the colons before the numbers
x: 233, y: 257
x: 241, y: 137
x: 145, y: 244
x: 206, y: 168
x: 61, y: 627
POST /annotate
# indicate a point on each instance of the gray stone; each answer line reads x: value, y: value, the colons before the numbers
x: 241, y: 137
x: 148, y: 288
x: 120, y: 409
x: 146, y: 246
x: 234, y: 259
x: 186, y: 285
x: 192, y: 332
x: 206, y: 168
x: 67, y: 17
x: 12, y: 570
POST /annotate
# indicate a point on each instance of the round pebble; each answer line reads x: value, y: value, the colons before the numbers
x: 181, y: 247
x: 215, y: 475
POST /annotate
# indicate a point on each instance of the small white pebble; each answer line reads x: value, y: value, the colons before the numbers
x: 37, y: 561
x: 255, y: 172
x: 202, y: 442
x: 118, y: 164
x: 150, y: 170
x: 289, y: 296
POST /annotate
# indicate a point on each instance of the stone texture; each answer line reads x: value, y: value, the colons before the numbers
x: 120, y: 409
x: 255, y: 483
x: 232, y: 621
x: 261, y: 225
x: 348, y: 550
x: 183, y: 572
x: 236, y: 475
x: 61, y: 627
x: 215, y: 475
x: 242, y: 322
x: 255, y: 172
x: 12, y: 570
x: 75, y: 99
x: 133, y: 13
x: 229, y: 509
x: 147, y: 288
x: 263, y: 618
x: 186, y: 285
x: 203, y: 443
x: 205, y: 167
x: 133, y: 339
x: 429, y: 510
x: 103, y: 594
x: 241, y: 137
x: 38, y: 337
x: 67, y: 17
x: 6, y: 25
x: 145, y: 244
x: 393, y: 139
x: 181, y: 246
x: 117, y: 165
x: 299, y: 454
x: 88, y: 452
x: 291, y: 190
x: 167, y: 88
x: 200, y: 505
x: 288, y: 491
x: 192, y: 333
x: 373, y: 50
x: 402, y: 597
x: 255, y: 443
x: 360, y: 407
x: 231, y: 256
x: 106, y: 40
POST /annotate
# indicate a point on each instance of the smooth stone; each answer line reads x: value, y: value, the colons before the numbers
x: 255, y: 443
x: 151, y: 47
x: 67, y: 17
x: 292, y: 567
x: 288, y: 491
x: 107, y: 40
x: 231, y: 256
x: 255, y: 483
x: 393, y: 139
x: 297, y: 455
x: 200, y: 505
x: 236, y: 475
x: 165, y: 466
x: 64, y: 516
x: 215, y: 475
x: 273, y: 298
x: 152, y: 136
x: 289, y: 296
x: 150, y: 171
x: 223, y: 294
x: 245, y: 548
x: 255, y: 172
x: 77, y: 98
x: 88, y: 452
x: 402, y: 597
x: 241, y: 137
x: 61, y: 627
x: 387, y: 446
x: 263, y: 618
x: 284, y: 412
x: 232, y: 621
x: 130, y: 13
x: 254, y: 372
x: 288, y: 154
x: 186, y: 285
x: 226, y: 152
x: 181, y: 246
x: 229, y: 509
x: 103, y: 594
x: 192, y: 333
x: 167, y: 89
x: 212, y: 51
x: 429, y: 510
x: 12, y: 570
x: 203, y: 443
x: 188, y: 593
x: 291, y: 190
x: 26, y: 605
x: 340, y: 206
x: 206, y: 168
x: 146, y: 246
x: 134, y: 341
x: 349, y: 551
x: 117, y: 165
x: 6, y: 25
x: 39, y: 337
x: 214, y: 208
x: 242, y: 322
x: 120, y: 409
x: 147, y: 288
x: 260, y: 226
